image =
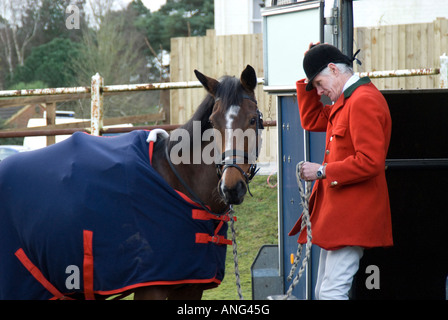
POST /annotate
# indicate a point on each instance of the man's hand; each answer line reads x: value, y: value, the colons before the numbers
x: 310, y: 46
x: 308, y: 171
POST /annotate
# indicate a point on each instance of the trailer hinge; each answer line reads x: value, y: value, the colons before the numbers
x: 335, y: 16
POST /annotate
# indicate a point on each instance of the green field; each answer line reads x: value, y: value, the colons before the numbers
x: 256, y: 225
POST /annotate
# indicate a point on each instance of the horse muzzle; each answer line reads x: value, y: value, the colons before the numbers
x: 234, y: 194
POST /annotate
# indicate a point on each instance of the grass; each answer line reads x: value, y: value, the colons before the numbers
x: 256, y: 225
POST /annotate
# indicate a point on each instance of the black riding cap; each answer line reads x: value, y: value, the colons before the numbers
x: 318, y: 58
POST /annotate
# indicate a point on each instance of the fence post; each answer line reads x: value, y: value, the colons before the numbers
x: 96, y: 107
x: 444, y: 71
x: 50, y: 109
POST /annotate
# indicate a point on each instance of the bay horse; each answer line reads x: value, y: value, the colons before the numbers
x: 32, y: 199
x: 229, y: 105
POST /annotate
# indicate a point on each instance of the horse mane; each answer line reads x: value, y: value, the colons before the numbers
x: 201, y: 114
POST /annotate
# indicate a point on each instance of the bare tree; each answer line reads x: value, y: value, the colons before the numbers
x: 114, y: 48
x: 7, y: 45
x: 20, y: 19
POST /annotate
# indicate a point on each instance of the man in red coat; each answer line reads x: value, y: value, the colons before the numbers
x: 349, y: 205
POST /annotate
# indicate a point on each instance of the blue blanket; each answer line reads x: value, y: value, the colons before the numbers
x: 91, y: 215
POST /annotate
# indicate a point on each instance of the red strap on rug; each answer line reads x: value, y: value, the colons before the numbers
x: 200, y: 214
x: 151, y: 149
x: 88, y: 265
x: 206, y: 238
x: 37, y: 274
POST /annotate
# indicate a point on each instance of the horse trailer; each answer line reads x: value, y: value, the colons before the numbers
x: 416, y: 167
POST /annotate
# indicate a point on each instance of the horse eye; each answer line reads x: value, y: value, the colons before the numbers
x: 252, y: 121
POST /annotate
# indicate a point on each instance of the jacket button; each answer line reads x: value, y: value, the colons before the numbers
x: 327, y: 151
x: 334, y: 183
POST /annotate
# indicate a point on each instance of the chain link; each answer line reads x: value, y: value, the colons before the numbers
x: 305, y: 193
x: 235, y: 254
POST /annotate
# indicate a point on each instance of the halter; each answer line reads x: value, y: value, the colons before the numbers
x: 234, y: 153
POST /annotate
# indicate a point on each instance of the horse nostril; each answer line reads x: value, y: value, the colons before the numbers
x: 235, y: 194
x: 241, y: 187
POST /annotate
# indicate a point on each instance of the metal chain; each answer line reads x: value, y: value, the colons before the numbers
x: 304, y: 199
x: 235, y: 254
x: 269, y: 118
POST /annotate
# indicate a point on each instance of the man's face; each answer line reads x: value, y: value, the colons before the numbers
x: 329, y: 83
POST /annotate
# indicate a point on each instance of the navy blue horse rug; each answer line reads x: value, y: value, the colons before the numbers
x: 94, y: 208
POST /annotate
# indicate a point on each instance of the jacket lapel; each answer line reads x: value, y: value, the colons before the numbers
x: 347, y: 93
x: 338, y: 105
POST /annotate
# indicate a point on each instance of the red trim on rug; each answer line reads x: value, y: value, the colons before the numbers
x: 212, y: 281
x: 37, y: 274
x: 88, y: 265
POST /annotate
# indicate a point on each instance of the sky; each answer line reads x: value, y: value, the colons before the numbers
x: 373, y: 13
x: 153, y: 5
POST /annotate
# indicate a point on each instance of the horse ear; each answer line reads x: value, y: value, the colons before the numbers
x: 249, y: 78
x: 210, y: 84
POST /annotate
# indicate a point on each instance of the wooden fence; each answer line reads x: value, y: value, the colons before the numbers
x: 216, y: 56
x: 407, y: 46
x: 395, y: 47
x: 385, y: 48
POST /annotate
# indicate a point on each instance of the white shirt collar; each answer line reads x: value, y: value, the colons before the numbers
x: 354, y: 78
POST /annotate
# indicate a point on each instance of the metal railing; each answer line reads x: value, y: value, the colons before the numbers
x: 97, y: 90
x: 400, y: 73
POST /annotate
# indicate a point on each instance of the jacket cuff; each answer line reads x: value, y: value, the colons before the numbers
x: 301, y: 86
x: 332, y: 180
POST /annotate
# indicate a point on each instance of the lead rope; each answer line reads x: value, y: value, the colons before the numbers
x: 304, y: 200
x: 235, y: 254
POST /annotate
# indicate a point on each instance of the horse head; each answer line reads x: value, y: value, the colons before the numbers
x: 238, y: 122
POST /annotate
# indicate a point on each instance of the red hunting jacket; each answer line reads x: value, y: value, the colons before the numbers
x: 350, y: 207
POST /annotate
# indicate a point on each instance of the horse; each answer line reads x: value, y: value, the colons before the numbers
x: 229, y: 105
x: 209, y: 188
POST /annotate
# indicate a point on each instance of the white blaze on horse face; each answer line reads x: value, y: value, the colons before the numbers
x: 230, y: 116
